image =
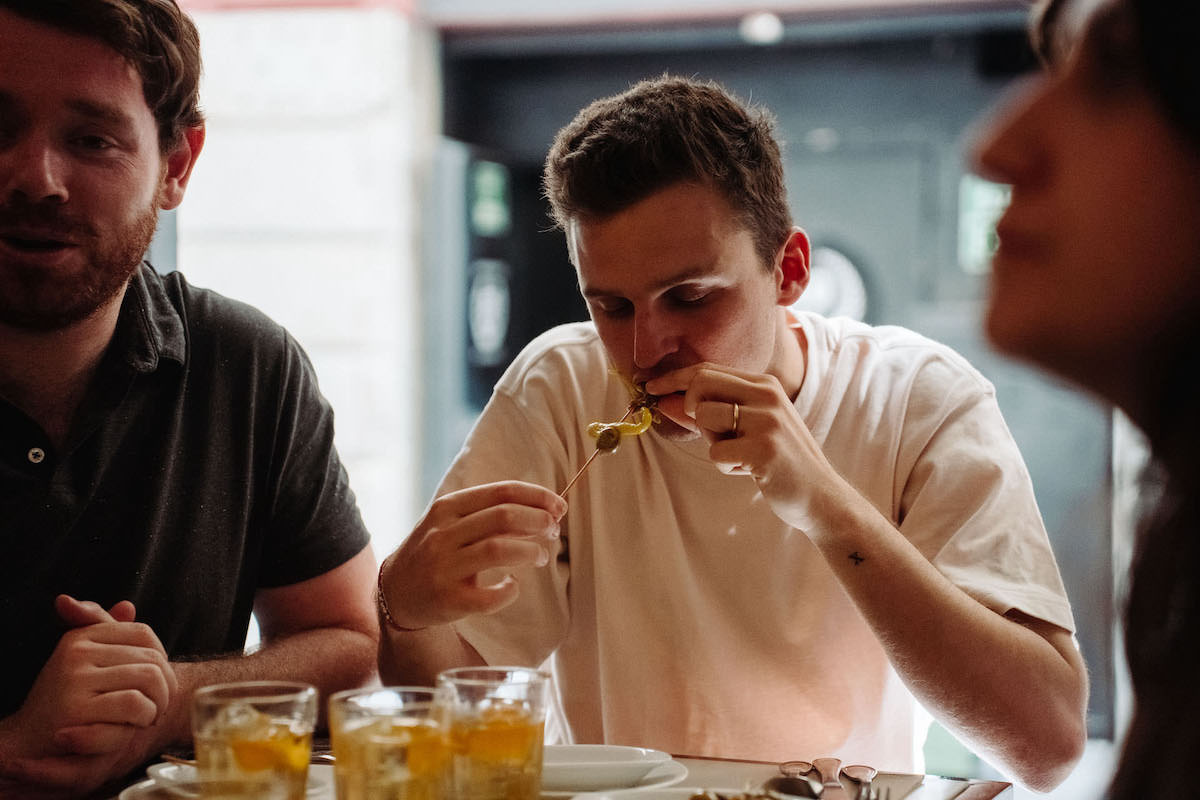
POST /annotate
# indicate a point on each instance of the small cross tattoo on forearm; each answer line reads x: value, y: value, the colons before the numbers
x: 856, y: 558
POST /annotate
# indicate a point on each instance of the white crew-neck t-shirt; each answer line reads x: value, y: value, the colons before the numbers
x: 684, y: 615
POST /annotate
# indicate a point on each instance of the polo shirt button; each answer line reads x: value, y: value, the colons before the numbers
x: 36, y: 455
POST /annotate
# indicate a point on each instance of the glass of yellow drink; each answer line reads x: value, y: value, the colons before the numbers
x: 254, y: 739
x: 497, y: 719
x: 390, y: 743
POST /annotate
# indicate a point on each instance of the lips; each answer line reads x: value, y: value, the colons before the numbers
x: 34, y: 245
x: 1017, y: 241
x: 35, y: 241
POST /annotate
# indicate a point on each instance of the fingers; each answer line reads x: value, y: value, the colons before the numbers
x: 123, y: 706
x: 507, y: 520
x: 672, y: 407
x: 676, y: 381
x: 704, y: 381
x: 117, y: 672
x: 123, y: 611
x: 76, y: 613
x: 503, y: 551
x: 478, y: 498
x: 137, y: 694
x: 724, y: 418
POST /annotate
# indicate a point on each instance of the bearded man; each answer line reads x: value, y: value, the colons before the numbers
x: 167, y: 464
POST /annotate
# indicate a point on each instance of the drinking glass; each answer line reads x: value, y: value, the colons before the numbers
x: 389, y: 743
x: 497, y: 721
x: 254, y: 739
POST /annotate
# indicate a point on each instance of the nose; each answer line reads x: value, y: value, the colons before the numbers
x: 653, y: 338
x: 34, y: 170
x: 1009, y: 147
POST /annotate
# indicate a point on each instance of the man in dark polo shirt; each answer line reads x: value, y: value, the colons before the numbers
x: 167, y: 463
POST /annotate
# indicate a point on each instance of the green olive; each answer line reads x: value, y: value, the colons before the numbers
x: 608, y: 439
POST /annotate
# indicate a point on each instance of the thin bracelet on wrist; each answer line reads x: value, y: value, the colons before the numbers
x: 381, y: 604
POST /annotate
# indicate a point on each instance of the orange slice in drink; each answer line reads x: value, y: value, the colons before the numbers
x: 282, y: 749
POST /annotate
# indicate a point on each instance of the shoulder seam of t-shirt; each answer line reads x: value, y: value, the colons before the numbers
x: 919, y: 341
x: 520, y: 408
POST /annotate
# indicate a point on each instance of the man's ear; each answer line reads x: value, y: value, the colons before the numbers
x: 178, y: 168
x: 793, y: 272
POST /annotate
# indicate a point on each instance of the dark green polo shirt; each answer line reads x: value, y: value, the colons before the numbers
x: 199, y: 468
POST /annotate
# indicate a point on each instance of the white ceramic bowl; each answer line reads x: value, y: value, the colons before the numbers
x: 588, y: 767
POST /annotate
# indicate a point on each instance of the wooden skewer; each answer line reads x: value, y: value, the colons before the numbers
x: 578, y: 474
x: 592, y: 457
x: 170, y: 759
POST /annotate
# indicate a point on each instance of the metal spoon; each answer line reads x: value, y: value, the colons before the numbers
x: 795, y: 769
x: 785, y: 787
x: 861, y: 775
x: 828, y: 767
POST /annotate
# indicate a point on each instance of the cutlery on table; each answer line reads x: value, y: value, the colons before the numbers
x: 800, y: 779
x: 786, y: 787
x: 829, y: 769
x: 795, y: 769
x: 862, y: 777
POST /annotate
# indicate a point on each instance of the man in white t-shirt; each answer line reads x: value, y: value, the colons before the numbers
x: 826, y: 519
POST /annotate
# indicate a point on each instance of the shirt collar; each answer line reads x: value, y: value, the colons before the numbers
x: 149, y: 327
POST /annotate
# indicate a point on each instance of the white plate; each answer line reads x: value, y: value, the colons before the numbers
x: 140, y: 790
x: 180, y: 779
x: 667, y: 773
x: 588, y: 767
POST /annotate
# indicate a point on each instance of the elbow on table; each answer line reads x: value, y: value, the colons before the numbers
x: 1048, y: 759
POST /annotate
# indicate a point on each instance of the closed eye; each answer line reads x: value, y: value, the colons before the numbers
x: 689, y: 297
x: 611, y: 307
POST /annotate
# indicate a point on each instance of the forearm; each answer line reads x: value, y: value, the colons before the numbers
x: 414, y: 658
x: 330, y: 659
x: 999, y: 684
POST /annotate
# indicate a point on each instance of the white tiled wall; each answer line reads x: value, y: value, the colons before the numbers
x: 302, y: 205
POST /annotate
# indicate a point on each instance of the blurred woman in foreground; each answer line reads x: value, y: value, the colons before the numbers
x: 1097, y: 278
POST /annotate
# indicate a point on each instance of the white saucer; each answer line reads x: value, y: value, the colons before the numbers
x: 142, y: 790
x: 180, y: 779
x: 597, y: 767
x: 668, y: 773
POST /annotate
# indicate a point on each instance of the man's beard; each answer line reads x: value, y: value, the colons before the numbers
x: 36, y: 298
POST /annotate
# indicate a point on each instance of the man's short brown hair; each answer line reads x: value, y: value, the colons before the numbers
x: 621, y: 149
x: 154, y: 36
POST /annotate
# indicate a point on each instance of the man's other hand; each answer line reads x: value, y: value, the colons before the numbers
x: 91, y: 713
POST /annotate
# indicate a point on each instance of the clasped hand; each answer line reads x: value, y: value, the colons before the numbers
x: 91, y: 712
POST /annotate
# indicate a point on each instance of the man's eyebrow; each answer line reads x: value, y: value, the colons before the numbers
x: 683, y: 276
x: 101, y: 112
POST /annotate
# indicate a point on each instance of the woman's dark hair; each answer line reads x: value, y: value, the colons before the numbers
x: 154, y: 36
x: 1147, y: 40
x: 1168, y: 46
x: 620, y: 150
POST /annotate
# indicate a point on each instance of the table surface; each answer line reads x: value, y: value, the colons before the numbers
x: 705, y: 773
x: 738, y: 775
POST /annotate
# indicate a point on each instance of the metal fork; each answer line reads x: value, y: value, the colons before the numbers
x: 866, y: 792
